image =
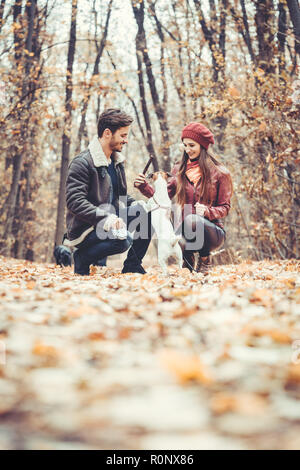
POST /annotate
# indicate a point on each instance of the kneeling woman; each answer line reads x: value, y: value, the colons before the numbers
x: 202, y: 187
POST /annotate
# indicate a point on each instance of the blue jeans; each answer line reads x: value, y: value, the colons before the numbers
x: 95, y: 247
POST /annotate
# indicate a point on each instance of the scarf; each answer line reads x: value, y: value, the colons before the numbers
x: 193, y: 171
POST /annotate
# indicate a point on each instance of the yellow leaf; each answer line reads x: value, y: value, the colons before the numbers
x: 233, y: 92
x: 290, y: 283
x: 293, y: 375
x: 262, y: 297
x: 31, y: 285
x: 182, y: 293
x: 262, y: 127
x: 186, y: 367
x: 41, y: 349
x: 245, y: 403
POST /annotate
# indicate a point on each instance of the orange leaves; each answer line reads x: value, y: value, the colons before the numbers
x: 234, y: 93
x: 293, y: 374
x: 262, y: 127
x: 244, y: 403
x: 184, y: 311
x: 186, y: 367
x: 229, y: 341
x: 289, y: 283
x: 80, y: 311
x: 297, y: 295
x: 93, y: 270
x: 256, y: 114
x: 41, y: 349
x: 278, y: 336
x: 182, y: 293
x: 17, y: 292
x: 96, y: 336
x: 124, y: 333
x: 30, y: 285
x: 261, y: 297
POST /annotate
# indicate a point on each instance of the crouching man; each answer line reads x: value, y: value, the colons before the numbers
x: 98, y: 207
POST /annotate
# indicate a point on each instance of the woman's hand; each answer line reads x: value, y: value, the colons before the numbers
x: 140, y: 179
x: 200, y: 209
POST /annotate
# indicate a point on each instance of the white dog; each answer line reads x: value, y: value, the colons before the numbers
x: 160, y: 206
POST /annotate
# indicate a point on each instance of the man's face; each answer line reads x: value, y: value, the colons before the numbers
x: 119, y: 138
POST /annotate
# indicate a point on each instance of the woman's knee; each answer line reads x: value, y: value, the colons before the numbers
x: 194, y: 221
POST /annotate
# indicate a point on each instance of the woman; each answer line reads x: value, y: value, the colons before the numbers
x: 202, y: 188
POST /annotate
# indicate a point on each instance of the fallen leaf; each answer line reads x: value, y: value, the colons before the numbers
x: 186, y: 367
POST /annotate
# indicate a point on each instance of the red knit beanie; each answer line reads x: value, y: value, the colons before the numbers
x: 199, y: 133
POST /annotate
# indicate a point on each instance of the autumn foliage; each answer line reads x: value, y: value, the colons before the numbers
x: 233, y: 66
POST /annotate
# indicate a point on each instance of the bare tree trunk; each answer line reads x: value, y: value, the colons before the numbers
x: 244, y: 31
x: 281, y: 36
x: 60, y: 221
x: 100, y: 49
x: 142, y: 48
x: 124, y: 90
x: 210, y: 34
x: 294, y: 10
x: 265, y: 29
x: 2, y: 5
x: 24, y: 215
x: 10, y: 206
x: 149, y: 142
x: 179, y: 84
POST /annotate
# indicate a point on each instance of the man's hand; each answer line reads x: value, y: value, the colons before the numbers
x: 113, y: 222
x: 118, y: 223
x: 140, y: 179
x: 200, y: 209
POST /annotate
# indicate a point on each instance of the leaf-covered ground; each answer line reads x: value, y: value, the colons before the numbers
x: 116, y: 361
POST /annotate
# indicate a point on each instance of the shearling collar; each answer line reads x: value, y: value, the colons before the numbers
x: 99, y: 157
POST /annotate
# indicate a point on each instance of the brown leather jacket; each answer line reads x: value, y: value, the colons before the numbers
x: 89, y: 189
x: 220, y: 191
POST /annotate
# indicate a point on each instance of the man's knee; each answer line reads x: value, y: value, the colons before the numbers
x: 123, y: 245
x: 140, y: 225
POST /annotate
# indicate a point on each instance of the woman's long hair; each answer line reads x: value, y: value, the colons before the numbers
x: 206, y: 162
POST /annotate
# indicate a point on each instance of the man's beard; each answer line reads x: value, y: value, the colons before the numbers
x: 114, y: 146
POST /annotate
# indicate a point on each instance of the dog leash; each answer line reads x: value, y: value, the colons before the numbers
x: 192, y: 269
x: 160, y: 206
x: 211, y: 254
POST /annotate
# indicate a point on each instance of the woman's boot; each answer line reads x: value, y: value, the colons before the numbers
x: 203, y: 264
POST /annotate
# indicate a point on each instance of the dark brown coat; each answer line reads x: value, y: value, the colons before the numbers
x: 89, y: 193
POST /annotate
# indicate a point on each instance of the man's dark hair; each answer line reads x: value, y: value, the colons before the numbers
x: 113, y: 119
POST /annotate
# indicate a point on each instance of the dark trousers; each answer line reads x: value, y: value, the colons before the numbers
x: 99, y: 244
x: 201, y: 235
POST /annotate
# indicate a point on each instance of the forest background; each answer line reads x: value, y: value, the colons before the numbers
x: 231, y: 64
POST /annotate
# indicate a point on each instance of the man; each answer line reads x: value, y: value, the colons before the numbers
x: 97, y: 202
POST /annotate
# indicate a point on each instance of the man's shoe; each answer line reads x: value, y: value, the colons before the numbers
x: 134, y: 269
x: 79, y: 266
x: 188, y: 261
x: 203, y: 265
